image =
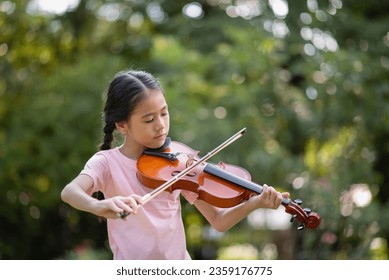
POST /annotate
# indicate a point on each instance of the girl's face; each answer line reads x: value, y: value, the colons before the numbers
x: 148, y: 126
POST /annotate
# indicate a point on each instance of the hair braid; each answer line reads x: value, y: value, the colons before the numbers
x: 108, y: 136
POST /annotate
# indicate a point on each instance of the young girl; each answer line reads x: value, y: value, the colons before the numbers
x: 136, y: 107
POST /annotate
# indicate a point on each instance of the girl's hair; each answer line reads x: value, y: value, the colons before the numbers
x: 125, y: 92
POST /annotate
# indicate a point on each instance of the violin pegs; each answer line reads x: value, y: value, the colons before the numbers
x: 307, y: 210
x: 298, y: 201
x: 293, y: 218
x: 301, y: 227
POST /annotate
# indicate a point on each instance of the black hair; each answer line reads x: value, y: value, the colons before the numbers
x: 126, y: 90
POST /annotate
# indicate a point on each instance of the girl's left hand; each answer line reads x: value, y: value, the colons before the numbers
x: 269, y: 198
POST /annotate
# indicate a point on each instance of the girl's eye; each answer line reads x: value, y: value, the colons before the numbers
x: 163, y: 114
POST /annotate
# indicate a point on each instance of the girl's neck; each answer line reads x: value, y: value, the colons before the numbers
x: 130, y: 153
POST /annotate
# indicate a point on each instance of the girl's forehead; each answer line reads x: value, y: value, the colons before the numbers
x: 153, y: 102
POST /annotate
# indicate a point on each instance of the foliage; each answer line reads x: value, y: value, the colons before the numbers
x: 311, y: 86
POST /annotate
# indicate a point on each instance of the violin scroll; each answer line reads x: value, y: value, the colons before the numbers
x: 305, y: 216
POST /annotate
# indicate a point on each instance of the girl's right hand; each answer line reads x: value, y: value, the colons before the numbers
x: 118, y: 206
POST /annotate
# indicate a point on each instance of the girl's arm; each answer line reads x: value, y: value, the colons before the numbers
x: 76, y: 194
x: 223, y: 219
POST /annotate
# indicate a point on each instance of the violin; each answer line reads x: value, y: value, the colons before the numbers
x: 177, y: 166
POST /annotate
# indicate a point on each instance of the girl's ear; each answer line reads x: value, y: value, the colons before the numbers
x: 121, y: 127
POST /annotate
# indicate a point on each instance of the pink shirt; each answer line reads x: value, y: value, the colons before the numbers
x: 156, y: 231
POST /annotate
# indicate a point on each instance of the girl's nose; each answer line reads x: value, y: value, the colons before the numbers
x: 160, y: 124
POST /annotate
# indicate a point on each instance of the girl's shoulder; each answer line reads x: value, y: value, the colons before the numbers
x: 108, y: 161
x: 106, y: 153
x: 112, y: 155
x: 105, y: 156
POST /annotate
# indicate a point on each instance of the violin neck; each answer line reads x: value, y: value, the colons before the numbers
x: 232, y: 178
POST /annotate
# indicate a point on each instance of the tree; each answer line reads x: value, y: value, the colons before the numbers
x: 309, y: 80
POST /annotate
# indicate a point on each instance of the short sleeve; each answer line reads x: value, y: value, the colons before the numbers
x: 97, y: 168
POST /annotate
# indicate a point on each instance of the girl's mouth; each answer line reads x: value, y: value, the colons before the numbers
x: 160, y: 137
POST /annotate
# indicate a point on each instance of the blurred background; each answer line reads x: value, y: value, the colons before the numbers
x: 308, y: 78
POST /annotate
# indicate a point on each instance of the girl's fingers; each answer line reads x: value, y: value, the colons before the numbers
x: 128, y: 205
x: 138, y: 199
x: 272, y: 198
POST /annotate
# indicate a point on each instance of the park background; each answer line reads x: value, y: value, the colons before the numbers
x: 309, y: 79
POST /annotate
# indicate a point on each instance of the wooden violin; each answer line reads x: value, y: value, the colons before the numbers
x: 177, y: 166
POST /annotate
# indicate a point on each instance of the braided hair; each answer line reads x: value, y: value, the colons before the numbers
x: 125, y: 92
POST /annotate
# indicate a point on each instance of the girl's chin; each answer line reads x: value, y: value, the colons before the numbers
x: 157, y: 144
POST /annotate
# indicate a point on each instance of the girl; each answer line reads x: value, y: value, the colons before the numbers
x: 136, y: 107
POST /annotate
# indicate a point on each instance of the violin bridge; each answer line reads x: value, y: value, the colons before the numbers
x: 190, y: 161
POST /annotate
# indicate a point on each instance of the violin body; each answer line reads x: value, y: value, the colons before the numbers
x: 221, y: 185
x: 154, y: 171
